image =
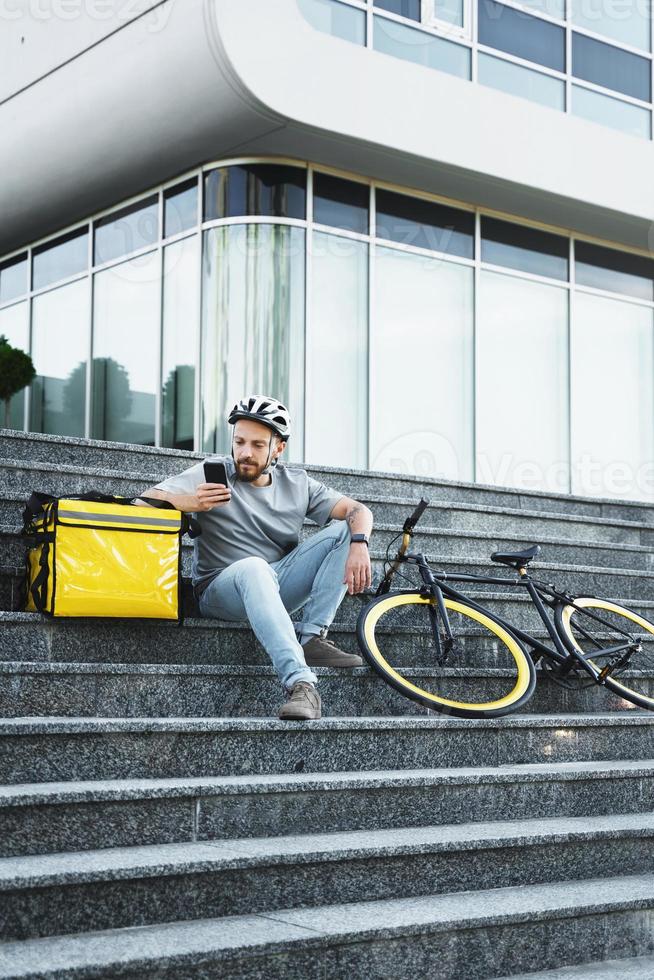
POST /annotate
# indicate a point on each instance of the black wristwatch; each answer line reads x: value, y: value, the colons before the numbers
x: 360, y: 537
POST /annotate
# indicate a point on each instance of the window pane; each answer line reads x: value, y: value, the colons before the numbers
x: 617, y: 272
x: 125, y: 350
x: 423, y: 317
x: 553, y: 8
x: 341, y: 203
x: 13, y: 278
x: 607, y: 111
x: 612, y: 397
x: 405, y: 8
x: 424, y: 224
x: 126, y: 230
x: 60, y: 259
x: 519, y: 247
x: 181, y: 304
x: 522, y: 383
x: 419, y: 46
x: 628, y: 23
x: 260, y: 189
x: 14, y: 325
x: 521, y: 35
x: 605, y: 65
x: 450, y: 11
x: 180, y: 207
x: 338, y: 349
x: 253, y: 325
x: 336, y: 19
x: 60, y: 340
x: 518, y: 80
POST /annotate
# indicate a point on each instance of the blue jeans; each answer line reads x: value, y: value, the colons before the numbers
x: 265, y: 593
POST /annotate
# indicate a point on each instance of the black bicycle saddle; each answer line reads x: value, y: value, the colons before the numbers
x: 517, y: 559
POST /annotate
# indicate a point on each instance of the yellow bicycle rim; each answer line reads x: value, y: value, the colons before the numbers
x: 589, y: 603
x: 403, y: 598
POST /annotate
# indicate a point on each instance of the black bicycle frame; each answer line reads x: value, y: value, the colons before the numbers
x: 437, y: 585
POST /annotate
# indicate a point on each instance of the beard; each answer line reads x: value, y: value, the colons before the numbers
x: 248, y: 475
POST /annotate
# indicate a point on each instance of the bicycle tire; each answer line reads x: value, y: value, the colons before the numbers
x: 622, y: 687
x: 521, y: 671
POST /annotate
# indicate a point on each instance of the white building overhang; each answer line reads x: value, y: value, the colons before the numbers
x: 224, y: 77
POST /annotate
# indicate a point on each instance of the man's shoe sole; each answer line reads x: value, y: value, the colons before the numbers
x: 351, y: 660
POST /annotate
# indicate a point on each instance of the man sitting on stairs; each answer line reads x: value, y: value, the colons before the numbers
x: 248, y: 564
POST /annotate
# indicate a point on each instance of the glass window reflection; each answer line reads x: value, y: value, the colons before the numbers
x: 253, y: 324
x: 423, y: 310
x: 14, y: 325
x: 605, y: 65
x: 612, y: 384
x: 522, y: 35
x: 180, y: 207
x: 269, y: 190
x: 338, y: 349
x: 518, y: 80
x: 125, y: 345
x: 418, y: 46
x: 337, y: 19
x: 627, y: 23
x: 522, y: 338
x: 520, y: 247
x: 604, y: 109
x: 405, y: 8
x: 180, y: 331
x: 614, y: 271
x: 424, y: 224
x: 340, y: 203
x: 13, y: 278
x: 60, y: 259
x: 126, y: 230
x: 60, y: 342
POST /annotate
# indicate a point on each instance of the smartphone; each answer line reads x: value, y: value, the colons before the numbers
x: 215, y: 473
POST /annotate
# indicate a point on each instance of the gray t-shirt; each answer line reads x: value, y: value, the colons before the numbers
x: 261, y: 521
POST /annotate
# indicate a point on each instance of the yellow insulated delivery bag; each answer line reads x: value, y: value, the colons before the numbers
x: 98, y: 555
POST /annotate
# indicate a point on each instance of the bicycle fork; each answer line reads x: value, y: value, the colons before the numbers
x: 430, y: 588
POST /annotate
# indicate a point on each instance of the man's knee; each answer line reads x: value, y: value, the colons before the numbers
x: 253, y: 569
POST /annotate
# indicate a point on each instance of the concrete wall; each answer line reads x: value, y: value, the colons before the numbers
x: 223, y: 76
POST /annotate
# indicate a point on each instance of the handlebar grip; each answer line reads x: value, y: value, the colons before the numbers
x: 411, y: 521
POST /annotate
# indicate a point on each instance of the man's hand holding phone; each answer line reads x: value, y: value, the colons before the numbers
x: 216, y: 491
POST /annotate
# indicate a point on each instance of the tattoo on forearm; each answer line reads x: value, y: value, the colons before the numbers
x: 351, y: 515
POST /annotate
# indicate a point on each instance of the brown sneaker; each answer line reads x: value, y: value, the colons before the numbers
x: 320, y: 652
x: 303, y: 703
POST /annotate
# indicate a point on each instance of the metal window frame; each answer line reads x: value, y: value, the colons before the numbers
x: 310, y: 227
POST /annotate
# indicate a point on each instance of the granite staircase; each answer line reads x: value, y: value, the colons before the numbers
x: 157, y: 820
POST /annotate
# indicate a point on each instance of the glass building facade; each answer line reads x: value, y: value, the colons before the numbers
x: 592, y: 58
x: 405, y: 333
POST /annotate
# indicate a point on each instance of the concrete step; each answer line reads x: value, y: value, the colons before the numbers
x: 52, y: 749
x: 632, y: 587
x: 76, y: 816
x: 638, y: 968
x: 178, y: 690
x: 18, y: 478
x: 113, y: 888
x: 502, y: 931
x: 454, y: 544
x: 147, y: 461
x: 35, y: 637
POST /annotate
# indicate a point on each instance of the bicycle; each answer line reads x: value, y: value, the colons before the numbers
x: 593, y: 640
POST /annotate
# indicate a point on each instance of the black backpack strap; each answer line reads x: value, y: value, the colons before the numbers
x: 34, y: 507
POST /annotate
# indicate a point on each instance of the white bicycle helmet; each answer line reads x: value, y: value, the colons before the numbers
x: 262, y: 408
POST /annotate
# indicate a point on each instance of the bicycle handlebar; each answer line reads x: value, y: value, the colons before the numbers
x: 411, y: 521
